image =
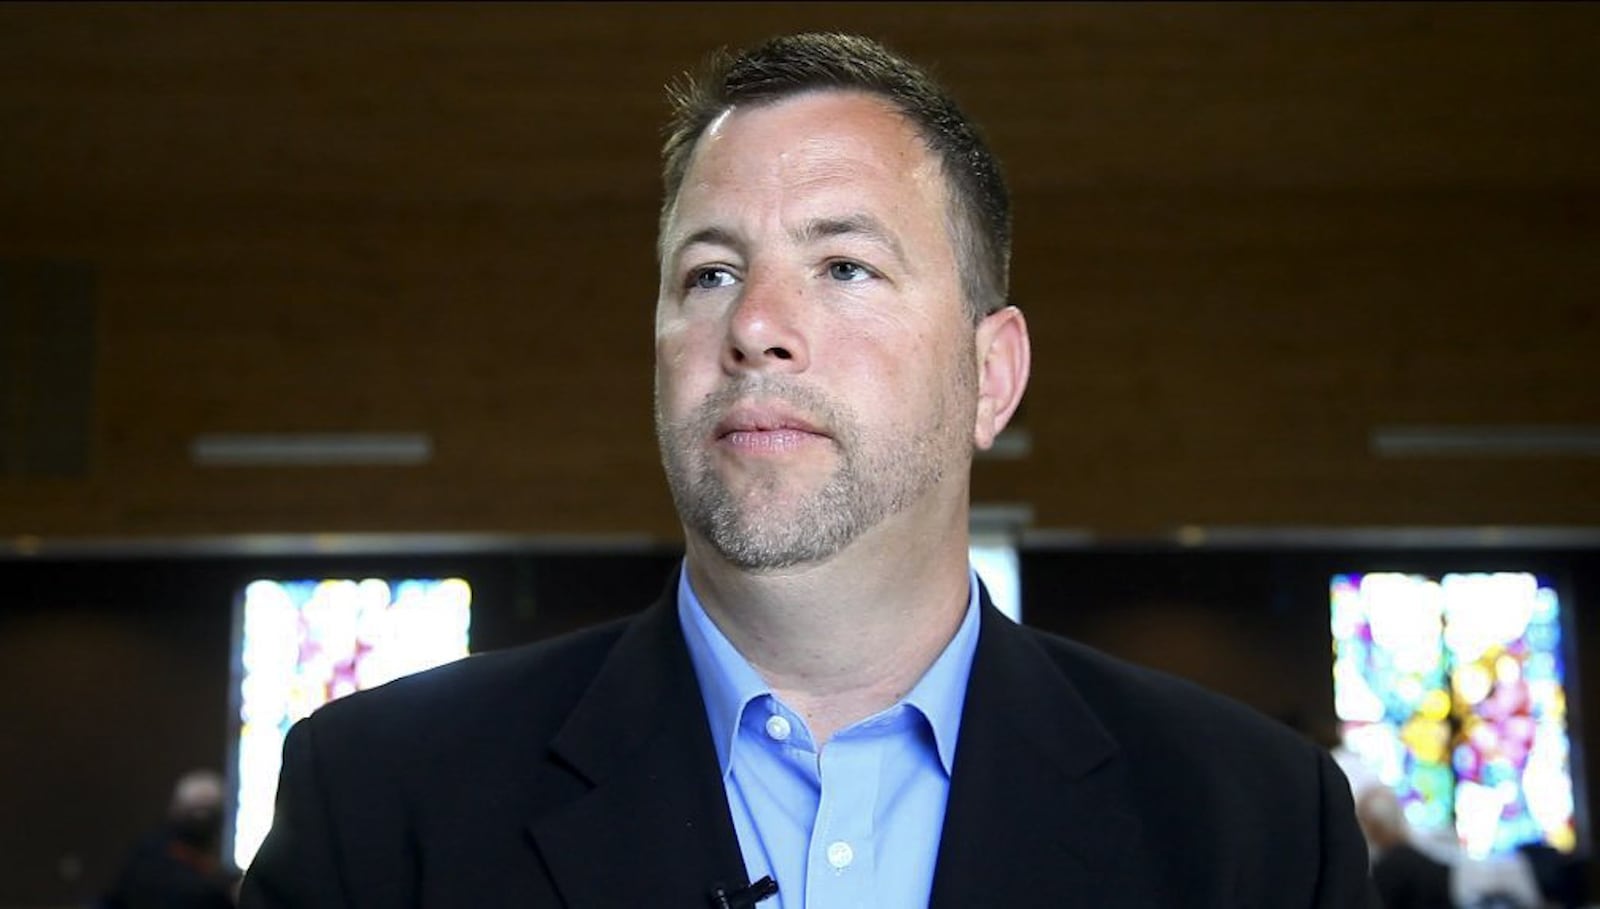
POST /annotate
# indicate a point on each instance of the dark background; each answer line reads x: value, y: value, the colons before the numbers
x: 1248, y: 237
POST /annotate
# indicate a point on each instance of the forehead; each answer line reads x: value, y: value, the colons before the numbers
x: 811, y: 144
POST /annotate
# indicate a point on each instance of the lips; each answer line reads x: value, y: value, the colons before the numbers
x: 749, y: 421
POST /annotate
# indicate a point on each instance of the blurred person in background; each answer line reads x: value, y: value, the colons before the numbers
x: 179, y: 866
x: 1495, y: 882
x: 1409, y: 877
x: 1406, y: 877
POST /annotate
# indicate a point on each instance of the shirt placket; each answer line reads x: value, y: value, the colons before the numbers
x: 841, y: 862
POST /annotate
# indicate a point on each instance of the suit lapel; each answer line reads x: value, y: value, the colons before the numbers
x: 653, y: 829
x: 1035, y: 815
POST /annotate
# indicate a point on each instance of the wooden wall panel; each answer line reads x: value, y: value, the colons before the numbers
x: 1246, y: 236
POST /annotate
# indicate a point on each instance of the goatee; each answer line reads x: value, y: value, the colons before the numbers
x: 762, y: 525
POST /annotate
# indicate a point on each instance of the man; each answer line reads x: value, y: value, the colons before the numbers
x: 179, y: 866
x: 1405, y: 877
x: 824, y: 700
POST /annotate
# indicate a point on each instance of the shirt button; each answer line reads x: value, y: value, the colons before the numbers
x: 777, y: 728
x: 840, y: 855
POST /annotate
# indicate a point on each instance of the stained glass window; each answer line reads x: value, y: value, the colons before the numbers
x: 1451, y: 688
x: 304, y: 643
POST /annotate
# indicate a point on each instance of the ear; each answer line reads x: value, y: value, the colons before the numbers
x: 1004, y: 358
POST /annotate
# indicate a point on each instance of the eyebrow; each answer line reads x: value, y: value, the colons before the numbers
x: 714, y: 236
x: 860, y: 224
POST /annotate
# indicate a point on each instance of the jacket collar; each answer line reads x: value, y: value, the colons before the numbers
x: 1036, y: 813
x: 653, y: 827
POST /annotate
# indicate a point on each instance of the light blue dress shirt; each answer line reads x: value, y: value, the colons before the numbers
x: 856, y: 827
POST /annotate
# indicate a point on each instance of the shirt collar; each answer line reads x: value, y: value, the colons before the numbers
x: 728, y: 683
x: 942, y: 690
x: 727, y: 680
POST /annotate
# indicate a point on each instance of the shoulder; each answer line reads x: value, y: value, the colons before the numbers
x: 532, y: 687
x: 1171, y: 719
x: 1237, y: 792
x: 1116, y: 686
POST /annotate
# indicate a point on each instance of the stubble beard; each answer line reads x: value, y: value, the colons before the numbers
x: 765, y: 525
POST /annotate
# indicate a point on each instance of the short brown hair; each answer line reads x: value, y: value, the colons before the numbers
x: 979, y: 219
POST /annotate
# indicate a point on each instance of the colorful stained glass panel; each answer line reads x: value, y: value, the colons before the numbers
x: 1452, y: 690
x: 304, y: 643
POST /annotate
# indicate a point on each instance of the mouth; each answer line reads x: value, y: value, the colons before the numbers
x: 766, y: 429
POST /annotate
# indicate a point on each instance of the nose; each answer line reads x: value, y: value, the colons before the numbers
x: 765, y: 330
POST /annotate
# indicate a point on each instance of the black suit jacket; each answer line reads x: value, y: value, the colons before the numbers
x: 579, y: 772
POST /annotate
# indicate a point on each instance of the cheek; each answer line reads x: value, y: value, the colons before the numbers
x: 684, y: 369
x: 917, y: 379
x: 891, y: 353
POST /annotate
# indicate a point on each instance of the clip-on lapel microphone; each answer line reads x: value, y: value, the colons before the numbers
x: 743, y: 897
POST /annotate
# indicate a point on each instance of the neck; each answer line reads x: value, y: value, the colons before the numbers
x: 844, y: 638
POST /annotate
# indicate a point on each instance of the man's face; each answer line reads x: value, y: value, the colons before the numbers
x: 815, y: 369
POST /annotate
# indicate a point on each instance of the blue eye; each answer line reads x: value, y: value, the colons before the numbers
x: 848, y: 271
x: 709, y: 278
